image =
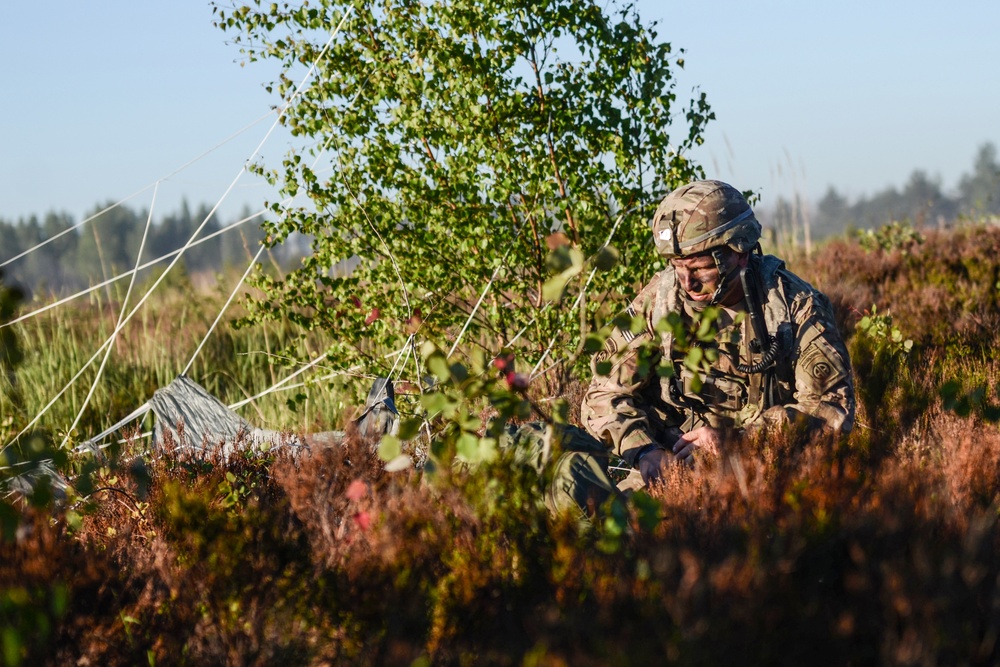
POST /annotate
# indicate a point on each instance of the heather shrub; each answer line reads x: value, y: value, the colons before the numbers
x: 943, y: 292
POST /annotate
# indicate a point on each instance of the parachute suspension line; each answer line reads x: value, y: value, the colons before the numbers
x: 216, y: 146
x: 523, y: 329
x: 314, y: 362
x: 225, y: 307
x: 138, y: 412
x: 579, y: 299
x: 388, y: 251
x: 277, y: 385
x: 546, y: 306
x: 347, y: 186
x: 420, y: 385
x: 61, y: 392
x: 401, y: 355
x: 253, y: 262
x: 75, y: 227
x: 133, y: 195
x: 121, y: 324
x: 152, y: 262
x: 289, y: 387
x: 112, y: 337
x: 190, y: 242
x: 298, y: 91
x: 121, y: 316
x: 161, y: 277
x: 194, y: 235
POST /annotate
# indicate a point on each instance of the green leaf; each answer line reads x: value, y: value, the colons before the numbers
x: 458, y: 372
x: 73, y: 520
x: 451, y: 175
x: 594, y: 342
x: 409, y: 428
x: 438, y: 365
x: 553, y: 288
x: 467, y: 447
x: 560, y: 411
x: 606, y: 258
x: 693, y: 358
x: 487, y: 450
x: 389, y: 448
x: 648, y: 509
x: 436, y: 403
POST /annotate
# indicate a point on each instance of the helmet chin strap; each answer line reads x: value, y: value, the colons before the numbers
x: 725, y: 280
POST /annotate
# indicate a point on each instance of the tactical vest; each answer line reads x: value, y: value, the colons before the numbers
x: 726, y: 397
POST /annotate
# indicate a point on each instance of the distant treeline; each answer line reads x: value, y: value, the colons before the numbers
x: 107, y: 246
x: 923, y: 202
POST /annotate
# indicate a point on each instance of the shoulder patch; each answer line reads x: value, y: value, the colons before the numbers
x: 610, y: 348
x: 822, y: 370
x: 820, y: 366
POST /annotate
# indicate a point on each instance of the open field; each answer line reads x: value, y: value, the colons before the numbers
x: 880, y: 548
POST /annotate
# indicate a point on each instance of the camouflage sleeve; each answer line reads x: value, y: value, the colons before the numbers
x: 613, y: 409
x: 824, y: 386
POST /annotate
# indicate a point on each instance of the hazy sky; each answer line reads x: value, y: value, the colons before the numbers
x: 103, y: 99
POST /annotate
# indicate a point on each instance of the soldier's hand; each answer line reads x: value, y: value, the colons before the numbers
x: 703, y: 437
x: 651, y: 465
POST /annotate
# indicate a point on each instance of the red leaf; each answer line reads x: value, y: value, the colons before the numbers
x: 363, y: 520
x: 356, y: 491
x: 504, y: 362
x: 517, y: 381
x: 372, y: 316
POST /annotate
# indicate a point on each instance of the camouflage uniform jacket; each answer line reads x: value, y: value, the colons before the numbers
x: 628, y: 409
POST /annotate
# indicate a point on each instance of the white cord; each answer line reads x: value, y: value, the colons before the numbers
x: 225, y: 306
x: 193, y: 236
x: 148, y: 264
x: 133, y: 195
x: 121, y: 315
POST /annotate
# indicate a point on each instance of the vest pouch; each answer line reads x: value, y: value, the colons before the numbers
x: 718, y: 393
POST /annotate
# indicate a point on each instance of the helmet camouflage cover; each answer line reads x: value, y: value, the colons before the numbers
x: 703, y: 215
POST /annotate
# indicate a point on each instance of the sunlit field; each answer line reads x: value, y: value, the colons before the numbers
x: 881, y: 547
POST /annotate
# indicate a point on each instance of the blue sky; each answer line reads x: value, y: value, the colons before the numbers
x: 102, y: 99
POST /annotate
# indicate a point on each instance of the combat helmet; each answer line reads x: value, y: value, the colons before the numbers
x: 703, y: 215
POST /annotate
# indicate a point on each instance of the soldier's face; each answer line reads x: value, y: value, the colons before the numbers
x: 699, y: 277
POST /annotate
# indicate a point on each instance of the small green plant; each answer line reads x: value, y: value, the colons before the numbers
x: 894, y: 236
x: 884, y: 335
x: 885, y: 389
x: 453, y: 407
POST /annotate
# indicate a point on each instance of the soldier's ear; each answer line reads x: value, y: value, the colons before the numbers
x: 742, y: 259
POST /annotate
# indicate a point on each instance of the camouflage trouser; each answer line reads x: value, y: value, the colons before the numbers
x: 579, y: 470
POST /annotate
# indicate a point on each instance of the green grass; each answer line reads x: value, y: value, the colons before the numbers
x: 152, y: 350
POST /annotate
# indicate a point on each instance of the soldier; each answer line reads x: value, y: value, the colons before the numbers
x: 778, y: 356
